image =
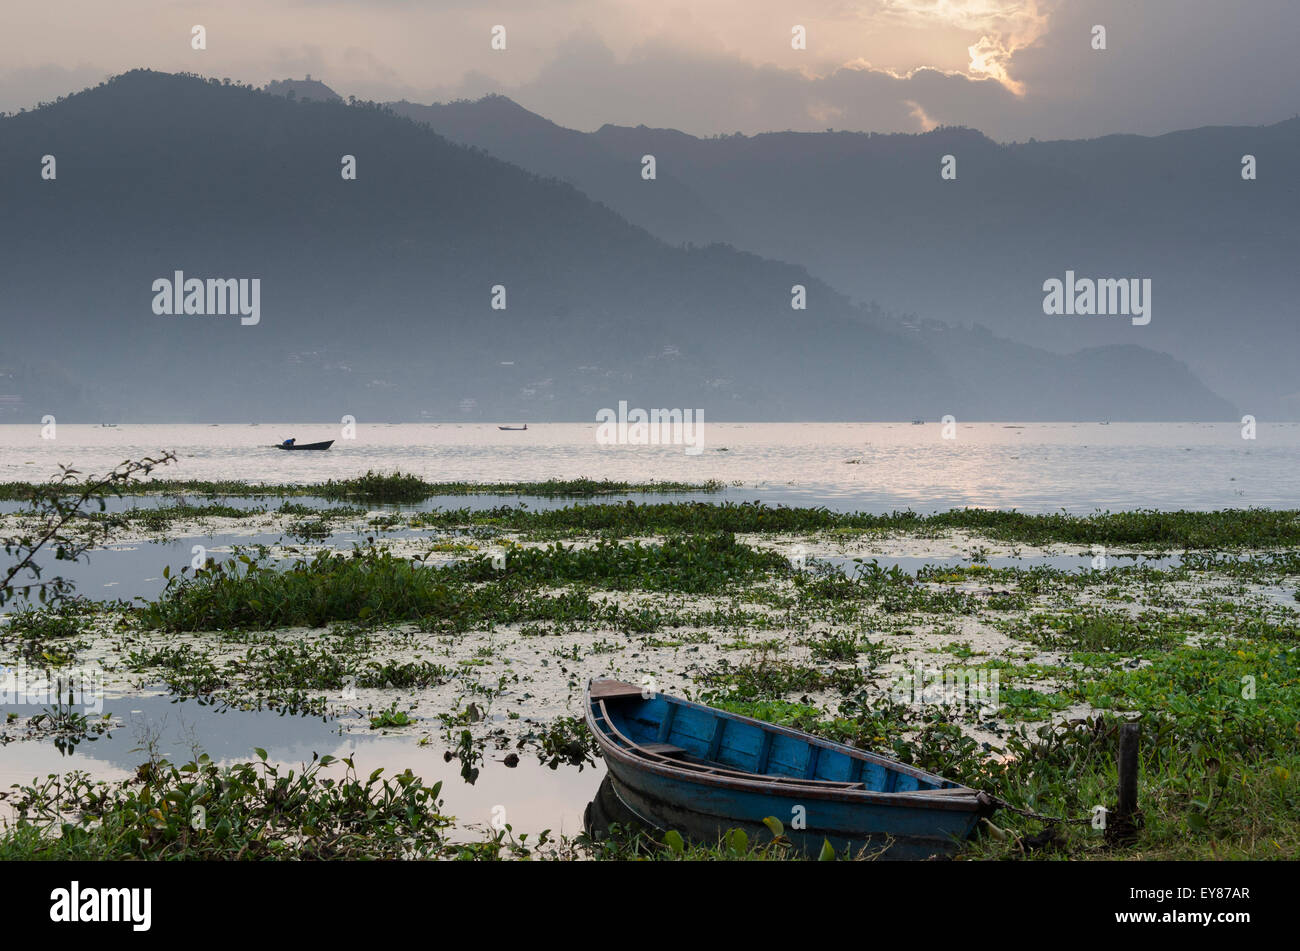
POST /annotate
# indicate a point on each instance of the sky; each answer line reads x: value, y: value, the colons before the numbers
x: 1014, y: 69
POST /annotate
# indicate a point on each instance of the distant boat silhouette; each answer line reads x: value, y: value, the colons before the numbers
x: 514, y: 428
x: 307, y: 445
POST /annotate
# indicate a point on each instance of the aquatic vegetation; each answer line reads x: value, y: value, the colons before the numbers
x: 1225, y: 529
x: 801, y: 716
x: 48, y: 636
x: 838, y: 647
x: 67, y: 724
x: 1244, y: 697
x: 396, y: 675
x: 391, y: 717
x: 566, y: 741
x: 297, y: 666
x: 572, y: 488
x: 1212, y: 531
x: 697, y: 564
x: 1199, y: 801
x: 1202, y: 651
x: 377, y: 487
x: 312, y: 592
x: 770, y: 677
x: 393, y: 487
x: 160, y: 518
x: 372, y: 585
x: 246, y: 811
x: 312, y: 511
x: 1027, y: 703
x: 1099, y: 630
x: 187, y: 670
x: 310, y: 529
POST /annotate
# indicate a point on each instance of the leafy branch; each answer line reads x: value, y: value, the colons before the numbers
x: 61, y: 525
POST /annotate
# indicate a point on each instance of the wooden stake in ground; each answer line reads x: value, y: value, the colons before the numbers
x: 1123, y: 825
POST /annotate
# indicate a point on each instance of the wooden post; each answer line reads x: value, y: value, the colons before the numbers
x: 1124, y: 824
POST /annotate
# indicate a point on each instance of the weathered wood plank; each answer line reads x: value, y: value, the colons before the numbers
x: 613, y: 689
x: 663, y: 749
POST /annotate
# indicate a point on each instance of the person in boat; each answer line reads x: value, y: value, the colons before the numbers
x: 289, y: 442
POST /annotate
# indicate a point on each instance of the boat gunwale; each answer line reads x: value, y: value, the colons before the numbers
x: 949, y: 798
x: 703, y: 767
x: 851, y: 751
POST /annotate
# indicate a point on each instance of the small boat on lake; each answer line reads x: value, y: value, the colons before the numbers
x: 680, y: 765
x: 306, y: 445
x: 518, y: 429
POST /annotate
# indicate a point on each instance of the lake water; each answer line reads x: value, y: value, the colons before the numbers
x: 877, y: 467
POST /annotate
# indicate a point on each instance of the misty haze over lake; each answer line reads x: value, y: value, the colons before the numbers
x: 1035, y: 467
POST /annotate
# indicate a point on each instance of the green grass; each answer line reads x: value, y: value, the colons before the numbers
x: 1198, y: 801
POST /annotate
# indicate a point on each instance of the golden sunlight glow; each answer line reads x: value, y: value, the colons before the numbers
x: 1005, y: 27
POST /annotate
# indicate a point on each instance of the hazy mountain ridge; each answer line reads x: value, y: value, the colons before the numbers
x: 869, y: 213
x: 666, y: 207
x: 302, y: 89
x: 375, y: 293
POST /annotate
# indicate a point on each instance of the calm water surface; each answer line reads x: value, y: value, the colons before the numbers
x: 879, y: 467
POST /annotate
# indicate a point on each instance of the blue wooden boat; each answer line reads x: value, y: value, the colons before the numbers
x: 680, y: 765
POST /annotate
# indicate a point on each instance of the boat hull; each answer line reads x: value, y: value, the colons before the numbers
x: 674, y: 764
x: 703, y: 813
x: 318, y: 446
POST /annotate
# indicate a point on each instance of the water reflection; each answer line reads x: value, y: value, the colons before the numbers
x: 605, y: 811
x: 532, y: 796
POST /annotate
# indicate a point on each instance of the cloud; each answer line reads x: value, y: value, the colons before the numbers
x: 1169, y: 64
x: 1011, y: 68
x: 662, y: 85
x: 1004, y: 27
